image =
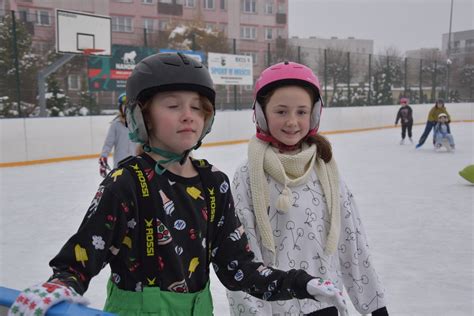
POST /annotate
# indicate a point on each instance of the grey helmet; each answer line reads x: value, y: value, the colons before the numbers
x: 165, y: 72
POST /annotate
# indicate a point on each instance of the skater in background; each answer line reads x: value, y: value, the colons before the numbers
x: 436, y: 110
x: 296, y: 210
x: 117, y: 139
x: 161, y: 218
x: 405, y: 115
x: 442, y: 133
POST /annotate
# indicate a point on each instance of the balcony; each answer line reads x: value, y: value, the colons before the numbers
x: 170, y: 8
x: 281, y: 18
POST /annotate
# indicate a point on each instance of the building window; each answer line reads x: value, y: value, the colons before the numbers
x: 149, y: 25
x: 74, y: 82
x: 189, y: 3
x: 254, y: 56
x: 165, y: 1
x: 248, y: 32
x: 281, y: 7
x: 223, y: 28
x: 209, y: 4
x: 268, y: 33
x: 280, y: 33
x: 147, y: 1
x: 42, y: 18
x: 223, y: 5
x: 210, y: 26
x: 23, y: 15
x: 122, y: 24
x: 268, y: 7
x: 249, y: 6
x: 163, y: 25
x: 42, y: 48
x: 470, y: 43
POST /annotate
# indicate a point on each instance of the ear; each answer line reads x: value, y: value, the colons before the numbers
x: 140, y: 124
x: 316, y: 114
x: 260, y: 117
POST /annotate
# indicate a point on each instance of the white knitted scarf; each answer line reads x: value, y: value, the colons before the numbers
x: 290, y: 170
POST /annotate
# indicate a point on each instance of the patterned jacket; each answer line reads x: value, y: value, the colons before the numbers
x: 165, y: 230
x: 300, y: 237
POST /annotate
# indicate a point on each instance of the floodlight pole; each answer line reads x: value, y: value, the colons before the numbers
x: 448, y: 61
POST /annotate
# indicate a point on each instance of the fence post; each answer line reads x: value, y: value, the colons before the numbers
x: 268, y: 55
x: 145, y: 40
x: 405, y: 79
x: 370, y: 80
x: 17, y: 67
x: 234, y: 50
x: 299, y: 54
x: 421, y: 81
x: 326, y: 78
x: 348, y: 78
x: 433, y: 83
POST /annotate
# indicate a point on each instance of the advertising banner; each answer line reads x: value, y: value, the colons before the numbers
x: 227, y: 69
x: 111, y: 73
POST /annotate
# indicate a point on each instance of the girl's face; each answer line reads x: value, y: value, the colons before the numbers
x: 176, y: 120
x: 288, y: 114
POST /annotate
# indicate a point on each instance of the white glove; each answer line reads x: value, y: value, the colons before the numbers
x: 326, y: 291
x: 36, y: 300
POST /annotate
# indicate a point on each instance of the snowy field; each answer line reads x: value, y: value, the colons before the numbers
x: 417, y: 210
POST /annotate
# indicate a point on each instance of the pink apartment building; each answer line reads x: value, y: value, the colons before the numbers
x: 253, y: 23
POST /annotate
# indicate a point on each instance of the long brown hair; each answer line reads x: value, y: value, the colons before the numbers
x: 323, y: 146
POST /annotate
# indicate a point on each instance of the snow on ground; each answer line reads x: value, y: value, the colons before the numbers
x: 417, y: 210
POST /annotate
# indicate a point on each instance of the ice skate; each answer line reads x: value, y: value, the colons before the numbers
x: 411, y: 140
x: 402, y: 141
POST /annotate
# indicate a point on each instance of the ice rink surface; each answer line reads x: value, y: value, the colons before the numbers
x: 417, y: 211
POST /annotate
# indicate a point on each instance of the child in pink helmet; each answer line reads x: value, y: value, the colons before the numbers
x: 405, y: 115
x: 295, y: 208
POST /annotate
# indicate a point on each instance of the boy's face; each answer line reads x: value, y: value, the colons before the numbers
x: 176, y: 120
x: 443, y: 119
x: 288, y: 114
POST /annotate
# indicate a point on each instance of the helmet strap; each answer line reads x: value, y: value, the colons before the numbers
x: 168, y: 155
x: 277, y: 144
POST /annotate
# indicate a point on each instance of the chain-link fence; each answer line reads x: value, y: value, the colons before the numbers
x: 347, y: 79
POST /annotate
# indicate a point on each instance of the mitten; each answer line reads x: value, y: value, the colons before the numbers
x: 380, y: 312
x: 326, y: 291
x: 103, y: 166
x: 36, y: 300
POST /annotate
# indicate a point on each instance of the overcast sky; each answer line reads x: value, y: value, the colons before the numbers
x: 404, y: 24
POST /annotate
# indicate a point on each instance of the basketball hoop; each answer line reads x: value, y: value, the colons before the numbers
x: 91, y: 51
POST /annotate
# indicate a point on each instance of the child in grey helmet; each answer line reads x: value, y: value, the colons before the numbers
x: 162, y: 218
x: 116, y: 139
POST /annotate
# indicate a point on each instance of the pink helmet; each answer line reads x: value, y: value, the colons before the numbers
x: 404, y: 101
x: 284, y: 74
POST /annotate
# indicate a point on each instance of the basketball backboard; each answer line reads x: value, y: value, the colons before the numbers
x: 79, y: 31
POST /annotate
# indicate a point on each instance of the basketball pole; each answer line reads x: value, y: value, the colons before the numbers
x: 43, y: 74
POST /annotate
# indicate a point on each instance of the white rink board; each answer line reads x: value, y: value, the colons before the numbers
x: 57, y: 137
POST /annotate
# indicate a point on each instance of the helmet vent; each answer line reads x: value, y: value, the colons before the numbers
x: 184, y: 58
